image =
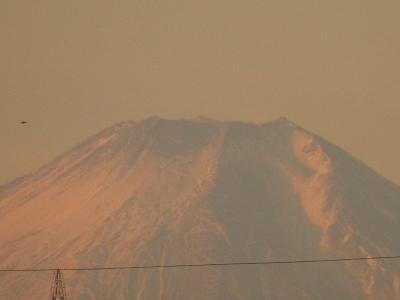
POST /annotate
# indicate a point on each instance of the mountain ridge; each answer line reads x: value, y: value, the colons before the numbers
x: 187, y: 191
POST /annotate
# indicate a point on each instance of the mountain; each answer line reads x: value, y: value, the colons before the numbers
x: 202, y: 191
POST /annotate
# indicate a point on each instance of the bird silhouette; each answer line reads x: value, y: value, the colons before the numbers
x: 24, y: 122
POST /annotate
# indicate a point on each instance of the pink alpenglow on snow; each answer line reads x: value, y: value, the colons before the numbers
x: 159, y: 192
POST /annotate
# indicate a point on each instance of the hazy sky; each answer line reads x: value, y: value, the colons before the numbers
x: 71, y: 68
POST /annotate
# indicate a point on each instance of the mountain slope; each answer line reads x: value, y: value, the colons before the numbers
x: 197, y: 191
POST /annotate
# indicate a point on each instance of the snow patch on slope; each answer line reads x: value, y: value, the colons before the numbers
x: 313, y: 185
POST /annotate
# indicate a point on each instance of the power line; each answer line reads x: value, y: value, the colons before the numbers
x: 276, y: 262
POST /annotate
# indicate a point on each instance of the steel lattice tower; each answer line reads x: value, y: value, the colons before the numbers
x: 58, y: 291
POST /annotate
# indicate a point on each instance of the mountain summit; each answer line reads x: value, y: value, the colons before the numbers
x: 160, y: 192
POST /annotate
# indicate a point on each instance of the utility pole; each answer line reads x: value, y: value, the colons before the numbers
x: 58, y: 291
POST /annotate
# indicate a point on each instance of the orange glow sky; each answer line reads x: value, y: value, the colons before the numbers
x: 71, y: 68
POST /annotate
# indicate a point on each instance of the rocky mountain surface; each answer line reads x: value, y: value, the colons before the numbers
x: 202, y: 191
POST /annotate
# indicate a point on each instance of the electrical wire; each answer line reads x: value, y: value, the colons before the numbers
x: 276, y: 262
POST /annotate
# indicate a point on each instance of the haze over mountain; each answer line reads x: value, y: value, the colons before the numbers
x: 202, y: 191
